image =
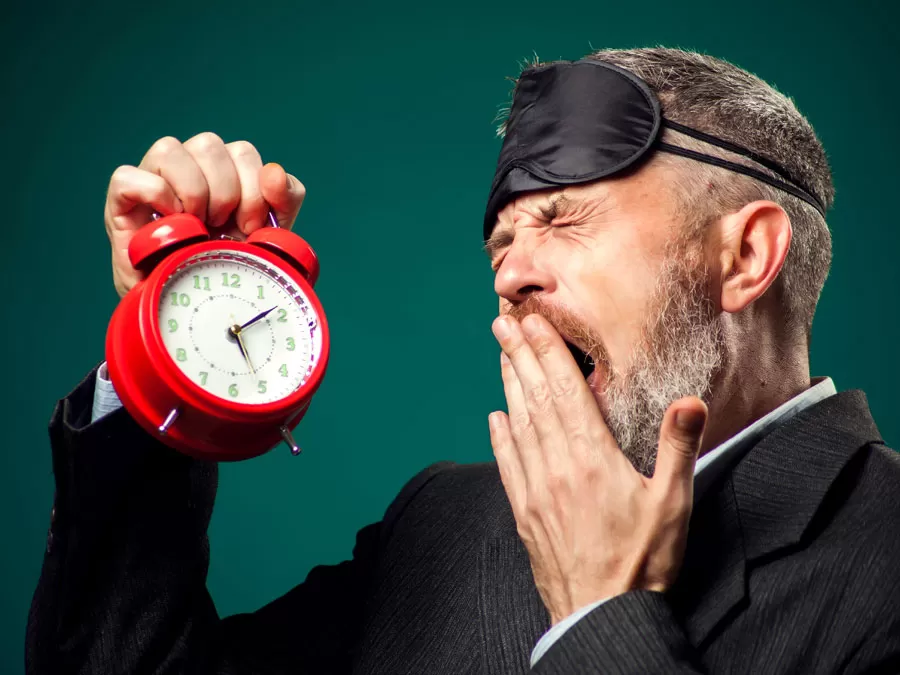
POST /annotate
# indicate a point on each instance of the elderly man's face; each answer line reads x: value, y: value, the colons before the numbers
x: 609, y: 265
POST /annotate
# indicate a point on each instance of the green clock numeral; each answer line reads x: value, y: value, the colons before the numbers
x: 262, y: 386
x: 291, y: 346
x: 282, y: 315
x: 181, y: 354
x: 173, y: 325
x: 184, y: 299
x: 203, y: 376
x: 283, y: 370
x: 232, y: 390
x: 260, y: 293
x: 205, y: 286
x: 235, y: 280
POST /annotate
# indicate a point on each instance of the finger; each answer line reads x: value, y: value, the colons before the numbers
x: 283, y: 192
x: 680, y: 438
x: 132, y: 197
x: 130, y: 187
x: 528, y: 446
x: 572, y: 399
x: 210, y: 154
x: 508, y: 462
x: 252, y: 209
x: 125, y: 277
x: 537, y: 397
x: 168, y: 158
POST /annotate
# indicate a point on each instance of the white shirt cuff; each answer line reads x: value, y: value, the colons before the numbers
x: 105, y: 398
x: 556, y: 632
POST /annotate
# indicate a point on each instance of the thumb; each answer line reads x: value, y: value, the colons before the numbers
x: 283, y: 192
x: 679, y: 442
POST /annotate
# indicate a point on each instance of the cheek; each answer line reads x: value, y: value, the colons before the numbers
x: 613, y: 294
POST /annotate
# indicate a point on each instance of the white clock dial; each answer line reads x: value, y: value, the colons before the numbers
x: 209, y: 301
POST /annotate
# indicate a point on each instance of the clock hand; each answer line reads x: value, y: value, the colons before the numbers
x: 258, y: 317
x: 236, y: 332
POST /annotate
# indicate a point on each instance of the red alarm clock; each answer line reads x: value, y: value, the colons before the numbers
x: 218, y: 350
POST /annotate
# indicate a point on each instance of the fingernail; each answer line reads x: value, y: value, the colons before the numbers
x: 501, y: 328
x: 504, y: 359
x: 689, y: 421
x: 492, y: 421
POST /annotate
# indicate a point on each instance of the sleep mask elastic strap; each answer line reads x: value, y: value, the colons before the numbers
x: 797, y: 188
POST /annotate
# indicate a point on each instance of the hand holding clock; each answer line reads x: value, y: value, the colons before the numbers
x: 225, y: 185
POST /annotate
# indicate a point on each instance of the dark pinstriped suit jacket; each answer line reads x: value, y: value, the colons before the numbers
x: 792, y: 566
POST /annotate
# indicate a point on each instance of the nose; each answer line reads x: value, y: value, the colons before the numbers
x: 521, y: 274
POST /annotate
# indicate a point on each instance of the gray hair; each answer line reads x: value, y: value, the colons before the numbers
x: 716, y: 97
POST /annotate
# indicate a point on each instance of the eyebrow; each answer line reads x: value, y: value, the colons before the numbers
x: 559, y: 203
x: 498, y: 241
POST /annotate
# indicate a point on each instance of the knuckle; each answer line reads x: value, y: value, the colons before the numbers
x: 540, y: 395
x: 541, y: 345
x: 195, y: 201
x: 242, y: 150
x: 534, y: 508
x: 578, y: 434
x: 682, y: 446
x: 520, y: 422
x: 523, y: 526
x: 563, y: 386
x: 558, y: 484
x: 205, y: 142
x: 514, y: 347
x: 121, y: 179
x: 165, y: 146
x: 121, y: 174
x: 591, y: 473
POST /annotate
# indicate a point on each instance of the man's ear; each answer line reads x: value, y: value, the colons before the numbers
x: 755, y: 242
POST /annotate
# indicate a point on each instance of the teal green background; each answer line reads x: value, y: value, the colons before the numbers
x: 385, y: 111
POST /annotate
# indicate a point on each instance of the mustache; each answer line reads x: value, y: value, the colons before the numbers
x: 566, y: 322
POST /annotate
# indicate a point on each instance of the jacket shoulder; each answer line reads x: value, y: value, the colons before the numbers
x: 447, y: 494
x: 857, y: 527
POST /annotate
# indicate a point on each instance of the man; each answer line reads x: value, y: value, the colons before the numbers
x: 658, y: 215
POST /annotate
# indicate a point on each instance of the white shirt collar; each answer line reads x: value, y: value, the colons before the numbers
x: 718, y: 460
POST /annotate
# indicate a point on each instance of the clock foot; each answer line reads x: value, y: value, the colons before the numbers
x: 169, y: 421
x: 289, y: 439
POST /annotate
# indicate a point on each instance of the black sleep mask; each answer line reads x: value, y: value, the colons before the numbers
x: 574, y: 122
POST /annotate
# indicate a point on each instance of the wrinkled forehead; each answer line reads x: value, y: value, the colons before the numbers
x: 572, y: 123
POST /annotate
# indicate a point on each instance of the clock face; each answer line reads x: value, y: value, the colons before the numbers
x: 239, y: 328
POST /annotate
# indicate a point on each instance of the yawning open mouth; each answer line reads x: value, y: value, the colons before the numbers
x: 585, y: 362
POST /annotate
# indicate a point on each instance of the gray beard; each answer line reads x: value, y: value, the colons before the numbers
x: 682, y: 350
